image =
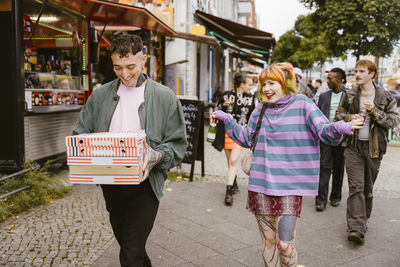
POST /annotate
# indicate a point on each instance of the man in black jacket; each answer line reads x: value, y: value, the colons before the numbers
x: 332, y: 160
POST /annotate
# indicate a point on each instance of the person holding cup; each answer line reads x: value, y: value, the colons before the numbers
x: 364, y: 150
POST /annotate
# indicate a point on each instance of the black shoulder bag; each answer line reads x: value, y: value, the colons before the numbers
x: 248, y: 156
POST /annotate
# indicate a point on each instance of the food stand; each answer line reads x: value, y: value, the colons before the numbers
x: 46, y: 71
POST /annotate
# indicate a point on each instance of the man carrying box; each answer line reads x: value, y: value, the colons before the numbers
x: 133, y: 102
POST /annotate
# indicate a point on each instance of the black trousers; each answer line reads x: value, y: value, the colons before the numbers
x: 331, y: 162
x: 362, y: 172
x: 133, y: 209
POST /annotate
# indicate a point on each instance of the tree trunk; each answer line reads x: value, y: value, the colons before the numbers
x: 376, y: 78
x: 320, y: 71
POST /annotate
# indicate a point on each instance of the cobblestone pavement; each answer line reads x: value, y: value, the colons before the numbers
x: 75, y: 230
x: 71, y: 231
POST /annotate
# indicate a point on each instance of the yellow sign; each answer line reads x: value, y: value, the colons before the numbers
x: 197, y: 30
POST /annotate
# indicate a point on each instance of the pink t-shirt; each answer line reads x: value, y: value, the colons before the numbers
x: 126, y: 115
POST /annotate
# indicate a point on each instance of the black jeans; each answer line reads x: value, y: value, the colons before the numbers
x: 133, y: 209
x: 361, y: 172
x: 331, y: 162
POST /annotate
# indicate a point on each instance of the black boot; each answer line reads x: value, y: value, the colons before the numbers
x: 235, y: 188
x: 228, y: 196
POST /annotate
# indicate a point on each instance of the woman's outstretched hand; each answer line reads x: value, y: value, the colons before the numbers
x: 358, y: 123
x: 220, y: 115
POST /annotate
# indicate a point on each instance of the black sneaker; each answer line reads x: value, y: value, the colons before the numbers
x: 228, y: 200
x: 235, y: 188
x: 335, y: 203
x: 319, y: 207
x: 356, y: 237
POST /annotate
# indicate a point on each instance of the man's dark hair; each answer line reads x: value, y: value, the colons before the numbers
x: 341, y: 73
x: 318, y: 80
x: 238, y: 79
x: 125, y: 44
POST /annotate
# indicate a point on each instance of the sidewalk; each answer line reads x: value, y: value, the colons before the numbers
x: 194, y: 228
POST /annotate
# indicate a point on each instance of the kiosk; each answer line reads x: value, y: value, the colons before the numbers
x: 48, y: 54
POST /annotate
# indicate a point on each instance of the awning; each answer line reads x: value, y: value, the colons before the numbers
x: 118, y: 14
x: 249, y: 59
x: 50, y: 36
x: 182, y: 35
x: 238, y: 34
x: 242, y: 51
x: 116, y: 28
x: 197, y: 38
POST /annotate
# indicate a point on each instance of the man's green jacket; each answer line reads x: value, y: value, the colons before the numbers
x: 160, y: 116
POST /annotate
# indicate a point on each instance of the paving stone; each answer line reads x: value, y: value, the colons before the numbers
x: 216, y: 261
x: 171, y: 240
x: 193, y: 250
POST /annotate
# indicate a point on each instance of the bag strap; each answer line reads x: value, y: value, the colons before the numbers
x: 254, y: 138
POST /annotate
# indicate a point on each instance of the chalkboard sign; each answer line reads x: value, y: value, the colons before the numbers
x: 194, y: 122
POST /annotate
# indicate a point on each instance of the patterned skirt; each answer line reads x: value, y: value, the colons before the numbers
x: 261, y: 204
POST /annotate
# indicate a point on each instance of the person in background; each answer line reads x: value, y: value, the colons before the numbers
x: 318, y: 84
x: 312, y: 88
x: 285, y: 163
x: 319, y: 90
x: 134, y: 102
x: 240, y: 103
x: 217, y: 94
x: 332, y: 160
x: 302, y: 87
x: 364, y: 150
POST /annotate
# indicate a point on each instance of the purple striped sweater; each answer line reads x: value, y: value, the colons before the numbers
x: 286, y: 156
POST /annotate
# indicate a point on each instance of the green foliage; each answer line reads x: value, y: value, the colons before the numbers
x: 303, y: 46
x: 175, y: 177
x: 286, y: 46
x: 41, y: 189
x: 361, y: 26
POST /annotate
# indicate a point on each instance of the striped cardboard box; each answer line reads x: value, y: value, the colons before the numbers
x: 107, y: 139
x: 105, y: 151
x: 104, y: 179
x: 104, y: 161
x: 105, y: 170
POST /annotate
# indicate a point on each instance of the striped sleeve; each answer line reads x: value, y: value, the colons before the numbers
x: 320, y: 125
x: 242, y: 135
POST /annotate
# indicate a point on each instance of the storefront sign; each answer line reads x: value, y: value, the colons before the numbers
x: 198, y: 30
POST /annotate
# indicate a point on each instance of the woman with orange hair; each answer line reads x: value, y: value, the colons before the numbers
x: 285, y: 164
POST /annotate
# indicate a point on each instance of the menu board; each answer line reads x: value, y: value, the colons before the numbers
x: 194, y: 122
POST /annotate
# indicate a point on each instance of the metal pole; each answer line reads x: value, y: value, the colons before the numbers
x: 13, y: 192
x: 20, y: 172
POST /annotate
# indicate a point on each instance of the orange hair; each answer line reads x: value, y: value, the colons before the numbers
x: 282, y: 73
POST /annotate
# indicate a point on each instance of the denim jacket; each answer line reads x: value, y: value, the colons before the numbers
x: 383, y: 117
x: 160, y: 114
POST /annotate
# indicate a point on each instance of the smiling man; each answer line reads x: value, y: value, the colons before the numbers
x: 133, y: 102
x: 365, y: 149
